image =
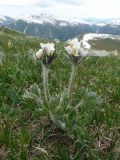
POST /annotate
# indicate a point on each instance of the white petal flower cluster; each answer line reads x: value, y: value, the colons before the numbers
x: 50, y: 48
x: 76, y: 48
x: 73, y: 47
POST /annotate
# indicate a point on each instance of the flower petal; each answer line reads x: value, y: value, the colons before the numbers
x: 39, y: 53
x: 50, y: 47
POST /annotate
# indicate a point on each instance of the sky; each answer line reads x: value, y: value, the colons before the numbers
x: 62, y: 8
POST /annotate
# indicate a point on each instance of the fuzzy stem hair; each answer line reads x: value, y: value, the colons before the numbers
x: 71, y: 83
x: 45, y: 83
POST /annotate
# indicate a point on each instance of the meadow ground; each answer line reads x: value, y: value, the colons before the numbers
x: 90, y: 131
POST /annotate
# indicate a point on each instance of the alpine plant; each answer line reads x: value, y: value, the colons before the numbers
x: 46, y: 55
x: 76, y: 53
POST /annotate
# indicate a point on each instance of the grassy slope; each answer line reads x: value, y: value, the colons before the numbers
x: 106, y: 44
x: 23, y: 125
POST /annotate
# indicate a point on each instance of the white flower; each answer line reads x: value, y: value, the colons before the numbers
x: 74, y: 42
x: 47, y: 53
x: 114, y: 53
x: 84, y: 52
x: 77, y: 48
x: 73, y: 47
x: 50, y: 47
x: 73, y: 50
x: 9, y: 44
x: 85, y: 44
x: 39, y: 54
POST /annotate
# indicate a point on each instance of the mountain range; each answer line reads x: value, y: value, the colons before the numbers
x: 47, y: 26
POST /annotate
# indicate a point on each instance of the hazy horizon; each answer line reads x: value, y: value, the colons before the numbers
x: 63, y: 8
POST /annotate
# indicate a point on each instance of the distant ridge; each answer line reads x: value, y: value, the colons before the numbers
x: 48, y: 26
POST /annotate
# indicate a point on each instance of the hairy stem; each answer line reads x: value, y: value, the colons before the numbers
x: 45, y: 82
x: 71, y: 83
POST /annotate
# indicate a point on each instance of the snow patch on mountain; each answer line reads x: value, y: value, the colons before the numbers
x: 115, y: 22
x: 74, y: 21
x: 100, y: 24
x: 96, y: 36
x: 44, y: 18
x: 38, y: 19
x: 63, y: 24
x: 5, y: 20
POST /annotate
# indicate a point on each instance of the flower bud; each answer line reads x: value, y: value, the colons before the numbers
x: 47, y: 53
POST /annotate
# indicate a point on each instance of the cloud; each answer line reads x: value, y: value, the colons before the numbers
x: 71, y: 2
x: 63, y: 8
x: 41, y: 3
x: 26, y: 2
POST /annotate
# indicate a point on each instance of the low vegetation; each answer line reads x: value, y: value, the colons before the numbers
x: 31, y: 129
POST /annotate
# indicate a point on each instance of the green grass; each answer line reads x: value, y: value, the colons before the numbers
x: 106, y: 44
x: 92, y: 131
